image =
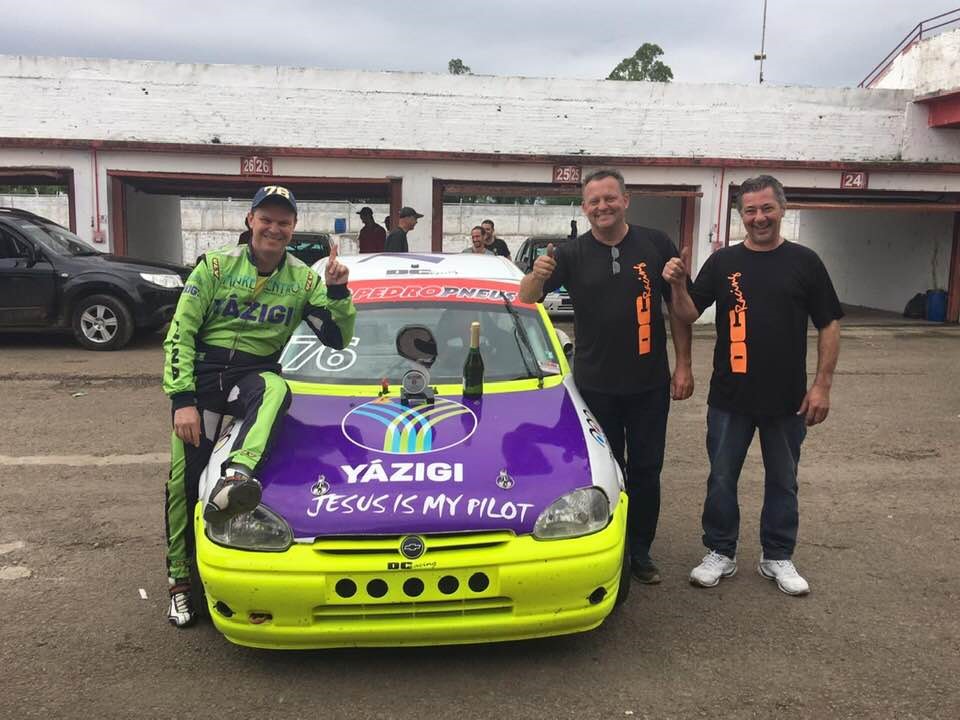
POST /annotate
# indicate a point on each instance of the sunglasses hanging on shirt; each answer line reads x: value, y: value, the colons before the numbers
x: 615, y: 260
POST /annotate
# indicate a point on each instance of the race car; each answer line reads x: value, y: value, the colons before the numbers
x: 398, y: 511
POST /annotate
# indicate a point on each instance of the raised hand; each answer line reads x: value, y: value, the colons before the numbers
x: 676, y: 270
x: 544, y: 265
x: 335, y: 273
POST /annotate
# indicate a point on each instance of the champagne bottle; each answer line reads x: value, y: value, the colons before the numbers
x: 473, y: 366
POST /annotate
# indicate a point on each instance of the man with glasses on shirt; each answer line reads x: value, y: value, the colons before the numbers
x: 614, y: 276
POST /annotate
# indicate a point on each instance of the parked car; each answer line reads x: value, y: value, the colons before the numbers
x: 309, y: 247
x: 397, y: 511
x: 558, y: 302
x: 50, y: 279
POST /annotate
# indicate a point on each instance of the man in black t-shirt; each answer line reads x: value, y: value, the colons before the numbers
x: 614, y: 276
x: 493, y: 243
x: 397, y: 239
x: 765, y: 289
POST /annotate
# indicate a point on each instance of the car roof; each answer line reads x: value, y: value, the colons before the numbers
x: 379, y: 266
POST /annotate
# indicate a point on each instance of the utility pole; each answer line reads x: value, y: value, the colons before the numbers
x: 761, y: 56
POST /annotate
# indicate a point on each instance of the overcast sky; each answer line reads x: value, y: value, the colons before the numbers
x: 808, y: 42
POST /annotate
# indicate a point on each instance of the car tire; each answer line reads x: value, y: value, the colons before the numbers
x: 102, y: 322
x: 623, y: 590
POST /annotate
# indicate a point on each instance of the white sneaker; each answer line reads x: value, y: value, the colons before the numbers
x: 713, y: 567
x: 785, y: 574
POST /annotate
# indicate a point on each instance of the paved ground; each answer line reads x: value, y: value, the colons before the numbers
x: 879, y: 637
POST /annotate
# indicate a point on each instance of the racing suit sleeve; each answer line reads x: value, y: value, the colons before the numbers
x: 179, y: 347
x: 330, y: 313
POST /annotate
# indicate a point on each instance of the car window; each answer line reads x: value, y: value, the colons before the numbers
x: 54, y: 238
x: 372, y: 354
x: 9, y: 247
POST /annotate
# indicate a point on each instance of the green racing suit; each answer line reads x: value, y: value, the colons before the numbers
x: 221, y: 355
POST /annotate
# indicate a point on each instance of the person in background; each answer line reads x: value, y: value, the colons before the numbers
x: 477, y: 246
x: 494, y: 243
x: 397, y: 239
x: 372, y: 237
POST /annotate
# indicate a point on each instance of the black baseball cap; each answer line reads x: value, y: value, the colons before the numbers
x: 274, y: 192
x: 365, y: 211
x: 408, y: 212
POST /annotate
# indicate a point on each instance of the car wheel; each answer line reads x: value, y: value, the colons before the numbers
x: 623, y: 590
x: 101, y: 322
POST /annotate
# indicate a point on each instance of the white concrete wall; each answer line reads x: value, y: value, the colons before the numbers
x: 52, y: 207
x: 880, y: 259
x: 928, y: 66
x: 876, y: 259
x: 153, y: 227
x: 658, y: 213
x: 144, y: 101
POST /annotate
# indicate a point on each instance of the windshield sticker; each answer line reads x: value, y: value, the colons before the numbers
x: 303, y: 349
x: 445, y: 290
x: 549, y: 366
x: 394, y: 428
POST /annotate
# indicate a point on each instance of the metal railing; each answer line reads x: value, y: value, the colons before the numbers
x: 922, y: 28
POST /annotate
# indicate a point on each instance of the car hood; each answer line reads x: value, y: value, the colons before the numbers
x: 352, y: 466
x: 121, y: 262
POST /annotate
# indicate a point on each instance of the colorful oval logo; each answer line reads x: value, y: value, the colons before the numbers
x: 391, y: 427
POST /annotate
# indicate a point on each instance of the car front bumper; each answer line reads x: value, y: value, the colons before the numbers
x: 508, y: 588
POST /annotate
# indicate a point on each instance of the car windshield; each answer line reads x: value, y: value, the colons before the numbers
x: 372, y: 354
x: 51, y: 236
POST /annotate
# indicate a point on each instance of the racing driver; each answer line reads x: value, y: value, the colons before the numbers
x: 238, y: 309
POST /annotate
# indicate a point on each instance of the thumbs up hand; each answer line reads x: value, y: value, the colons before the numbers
x: 544, y: 265
x: 676, y: 269
x: 335, y: 273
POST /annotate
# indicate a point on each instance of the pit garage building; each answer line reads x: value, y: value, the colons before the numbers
x: 872, y: 174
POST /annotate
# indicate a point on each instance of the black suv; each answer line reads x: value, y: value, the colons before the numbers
x: 51, y: 279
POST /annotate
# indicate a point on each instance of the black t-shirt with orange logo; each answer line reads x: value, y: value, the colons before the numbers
x: 763, y: 302
x: 620, y: 337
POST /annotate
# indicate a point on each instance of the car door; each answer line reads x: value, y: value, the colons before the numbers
x: 28, y: 283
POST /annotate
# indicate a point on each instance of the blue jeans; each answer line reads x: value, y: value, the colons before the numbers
x: 636, y: 428
x: 728, y: 437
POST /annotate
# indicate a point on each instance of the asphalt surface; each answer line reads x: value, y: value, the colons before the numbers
x: 83, y: 441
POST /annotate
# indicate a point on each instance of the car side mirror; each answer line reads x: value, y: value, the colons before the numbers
x: 565, y: 342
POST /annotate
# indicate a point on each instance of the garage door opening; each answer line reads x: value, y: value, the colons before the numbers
x: 176, y: 217
x: 522, y: 210
x: 47, y: 192
x: 880, y: 248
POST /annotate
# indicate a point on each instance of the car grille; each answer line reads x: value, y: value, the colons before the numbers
x: 388, y: 545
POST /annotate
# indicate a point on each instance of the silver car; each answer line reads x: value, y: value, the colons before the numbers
x: 557, y: 303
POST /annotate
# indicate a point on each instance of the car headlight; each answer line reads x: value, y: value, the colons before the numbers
x: 580, y: 512
x: 163, y: 279
x: 260, y: 529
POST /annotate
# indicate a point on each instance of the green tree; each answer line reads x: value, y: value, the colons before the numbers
x: 643, y: 65
x: 456, y: 67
